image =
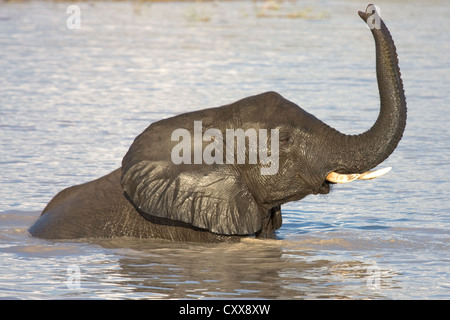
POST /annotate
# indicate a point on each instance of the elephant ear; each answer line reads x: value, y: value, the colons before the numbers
x: 210, y: 197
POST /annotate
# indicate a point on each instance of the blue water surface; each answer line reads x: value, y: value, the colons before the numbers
x: 73, y: 100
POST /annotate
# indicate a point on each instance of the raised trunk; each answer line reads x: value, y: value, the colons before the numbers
x: 359, y: 153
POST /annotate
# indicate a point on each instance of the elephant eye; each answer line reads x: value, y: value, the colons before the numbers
x: 284, y: 139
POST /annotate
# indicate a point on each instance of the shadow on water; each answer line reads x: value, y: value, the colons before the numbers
x: 267, y: 269
x: 270, y: 269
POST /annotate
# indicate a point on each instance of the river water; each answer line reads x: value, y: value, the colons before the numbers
x: 72, y: 100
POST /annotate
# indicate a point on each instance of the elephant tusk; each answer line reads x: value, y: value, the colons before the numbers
x: 374, y: 174
x: 342, y: 178
x: 335, y: 177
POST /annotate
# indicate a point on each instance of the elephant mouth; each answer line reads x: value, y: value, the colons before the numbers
x: 319, y: 186
x: 325, y: 188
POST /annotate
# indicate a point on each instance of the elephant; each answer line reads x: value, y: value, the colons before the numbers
x: 156, y: 193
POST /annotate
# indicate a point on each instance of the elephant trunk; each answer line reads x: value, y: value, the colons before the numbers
x: 359, y: 153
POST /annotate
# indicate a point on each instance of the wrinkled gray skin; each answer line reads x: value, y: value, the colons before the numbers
x: 150, y: 197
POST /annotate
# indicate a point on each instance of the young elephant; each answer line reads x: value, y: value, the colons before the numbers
x: 222, y: 173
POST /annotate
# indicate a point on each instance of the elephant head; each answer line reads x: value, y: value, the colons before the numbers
x: 235, y: 197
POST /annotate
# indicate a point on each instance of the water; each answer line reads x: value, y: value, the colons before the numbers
x: 72, y: 101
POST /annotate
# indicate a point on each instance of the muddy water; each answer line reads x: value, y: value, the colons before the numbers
x: 72, y: 101
x: 326, y: 265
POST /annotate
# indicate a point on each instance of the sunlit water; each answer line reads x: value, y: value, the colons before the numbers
x: 72, y: 101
